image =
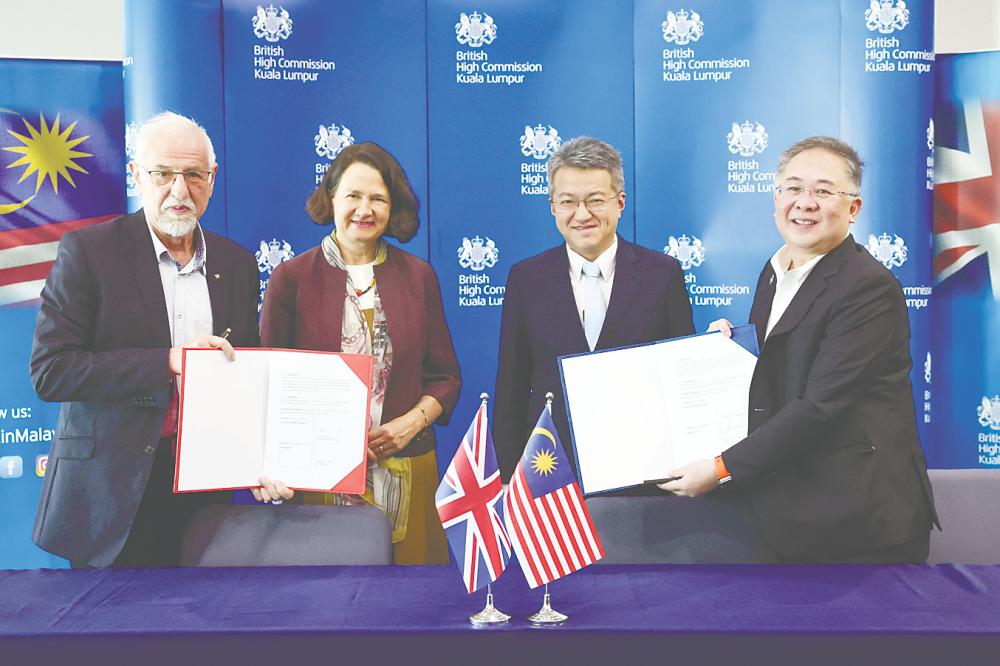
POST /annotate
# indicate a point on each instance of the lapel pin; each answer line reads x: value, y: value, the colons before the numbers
x: 217, y: 276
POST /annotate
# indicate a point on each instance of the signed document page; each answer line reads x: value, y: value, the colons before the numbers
x: 313, y: 428
x: 297, y: 416
x: 636, y: 413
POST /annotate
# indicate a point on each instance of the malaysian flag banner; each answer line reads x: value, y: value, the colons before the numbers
x: 467, y: 502
x: 963, y: 384
x: 62, y: 167
x: 546, y: 517
x: 62, y: 163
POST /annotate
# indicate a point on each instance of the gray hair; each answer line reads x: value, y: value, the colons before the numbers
x: 585, y: 152
x: 169, y: 120
x: 855, y: 165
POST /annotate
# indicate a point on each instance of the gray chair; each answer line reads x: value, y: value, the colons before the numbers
x: 675, y: 530
x: 967, y: 501
x: 290, y: 534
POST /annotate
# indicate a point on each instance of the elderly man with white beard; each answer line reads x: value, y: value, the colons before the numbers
x: 121, y: 302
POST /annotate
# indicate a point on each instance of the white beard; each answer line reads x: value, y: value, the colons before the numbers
x: 176, y: 226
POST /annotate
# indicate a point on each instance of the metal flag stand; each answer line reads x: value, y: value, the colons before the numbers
x: 489, y: 616
x: 546, y: 615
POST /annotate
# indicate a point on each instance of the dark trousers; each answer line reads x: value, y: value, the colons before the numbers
x: 914, y: 551
x: 162, y: 517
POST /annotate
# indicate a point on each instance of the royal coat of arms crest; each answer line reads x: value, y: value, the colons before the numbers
x: 272, y: 24
x: 332, y: 139
x: 131, y: 133
x: 539, y: 142
x: 887, y: 16
x: 688, y: 250
x: 475, y: 29
x: 478, y: 253
x: 989, y: 413
x: 747, y: 140
x: 682, y: 28
x: 271, y: 254
x: 890, y: 251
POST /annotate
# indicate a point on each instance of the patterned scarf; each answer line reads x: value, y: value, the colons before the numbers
x: 388, y: 479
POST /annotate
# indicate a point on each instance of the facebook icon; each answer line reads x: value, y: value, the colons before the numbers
x: 11, y: 467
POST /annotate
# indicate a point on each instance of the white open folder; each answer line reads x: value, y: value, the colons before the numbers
x: 296, y: 416
x: 636, y: 413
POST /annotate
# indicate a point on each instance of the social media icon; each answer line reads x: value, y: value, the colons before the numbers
x: 41, y: 462
x: 11, y: 467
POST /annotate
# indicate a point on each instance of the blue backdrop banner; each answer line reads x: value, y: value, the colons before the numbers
x: 302, y: 82
x: 699, y: 97
x: 715, y: 94
x: 173, y: 62
x: 508, y: 83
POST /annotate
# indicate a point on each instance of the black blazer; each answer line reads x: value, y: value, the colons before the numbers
x: 833, y: 464
x: 540, y: 322
x: 100, y: 348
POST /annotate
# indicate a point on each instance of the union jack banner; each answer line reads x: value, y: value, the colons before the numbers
x: 467, y: 502
x: 967, y: 196
x: 546, y: 517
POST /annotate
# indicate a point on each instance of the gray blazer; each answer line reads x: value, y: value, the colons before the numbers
x: 100, y: 348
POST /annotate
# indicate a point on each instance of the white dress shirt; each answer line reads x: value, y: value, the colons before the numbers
x: 185, y: 290
x: 606, y: 261
x: 788, y: 283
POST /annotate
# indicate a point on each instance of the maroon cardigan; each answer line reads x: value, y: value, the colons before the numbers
x: 304, y: 309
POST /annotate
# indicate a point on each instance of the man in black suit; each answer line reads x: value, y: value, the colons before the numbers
x: 123, y: 298
x: 832, y: 464
x: 595, y: 291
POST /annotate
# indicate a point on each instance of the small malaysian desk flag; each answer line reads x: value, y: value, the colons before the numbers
x: 467, y: 502
x: 547, y: 520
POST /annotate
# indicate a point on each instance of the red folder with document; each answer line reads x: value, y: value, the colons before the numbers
x: 298, y: 416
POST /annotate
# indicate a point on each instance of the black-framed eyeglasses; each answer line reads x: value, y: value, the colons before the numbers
x: 796, y: 191
x: 161, y: 177
x: 593, y: 204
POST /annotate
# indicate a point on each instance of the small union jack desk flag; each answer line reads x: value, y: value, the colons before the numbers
x: 546, y: 517
x: 467, y: 503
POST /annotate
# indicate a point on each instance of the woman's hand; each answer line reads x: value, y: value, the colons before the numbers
x: 390, y: 438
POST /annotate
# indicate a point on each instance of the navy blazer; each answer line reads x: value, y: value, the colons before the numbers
x: 101, y: 348
x: 540, y: 322
x: 832, y: 463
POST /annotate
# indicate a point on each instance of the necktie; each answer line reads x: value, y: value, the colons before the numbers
x: 593, y: 303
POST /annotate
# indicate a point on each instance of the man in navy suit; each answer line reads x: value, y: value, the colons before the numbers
x: 123, y: 298
x: 832, y: 465
x: 597, y: 291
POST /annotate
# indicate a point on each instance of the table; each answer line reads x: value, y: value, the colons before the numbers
x: 415, y: 615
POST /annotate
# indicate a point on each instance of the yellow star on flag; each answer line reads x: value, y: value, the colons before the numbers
x: 544, y: 462
x: 48, y: 152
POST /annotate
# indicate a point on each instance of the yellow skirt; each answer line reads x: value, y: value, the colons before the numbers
x: 425, y: 542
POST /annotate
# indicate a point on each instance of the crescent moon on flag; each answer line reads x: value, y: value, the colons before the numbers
x: 11, y: 207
